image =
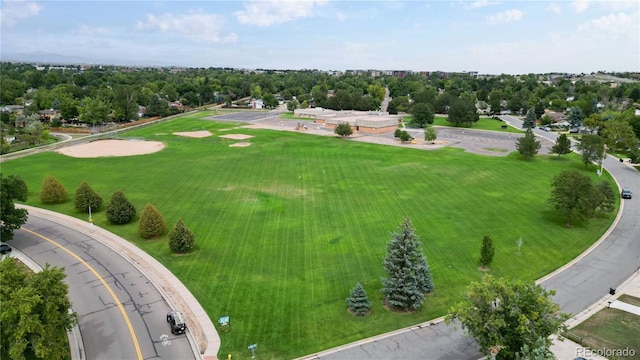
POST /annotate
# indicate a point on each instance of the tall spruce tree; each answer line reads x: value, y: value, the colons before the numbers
x: 530, y: 120
x: 86, y: 198
x: 527, y: 145
x: 409, y: 274
x: 358, y: 301
x: 562, y: 145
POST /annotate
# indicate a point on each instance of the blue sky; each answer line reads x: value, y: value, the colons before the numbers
x: 488, y: 36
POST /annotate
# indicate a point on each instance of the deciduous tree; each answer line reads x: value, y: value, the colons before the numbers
x: 34, y: 312
x: 11, y: 188
x: 270, y: 101
x: 409, y: 276
x: 591, y: 148
x: 571, y: 194
x: 292, y: 105
x: 430, y: 134
x: 125, y: 103
x: 52, y: 192
x: 94, y: 110
x: 527, y: 145
x: 619, y: 135
x: 463, y: 111
x: 343, y: 129
x: 358, y: 302
x: 422, y: 114
x: 152, y: 223
x: 120, y: 210
x: 507, y: 315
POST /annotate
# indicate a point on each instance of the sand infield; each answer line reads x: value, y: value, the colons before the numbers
x: 105, y: 148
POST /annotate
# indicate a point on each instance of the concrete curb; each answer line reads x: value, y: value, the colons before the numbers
x: 204, y: 337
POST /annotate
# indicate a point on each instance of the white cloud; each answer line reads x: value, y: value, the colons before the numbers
x: 504, y: 17
x: 580, y: 5
x: 479, y: 4
x: 341, y: 16
x: 14, y: 11
x: 554, y: 8
x: 196, y: 24
x: 612, y: 24
x: 270, y: 12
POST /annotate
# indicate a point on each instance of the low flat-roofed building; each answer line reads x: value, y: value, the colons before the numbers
x: 372, y: 122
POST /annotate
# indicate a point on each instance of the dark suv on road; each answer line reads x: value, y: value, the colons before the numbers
x: 176, y: 321
x: 626, y: 193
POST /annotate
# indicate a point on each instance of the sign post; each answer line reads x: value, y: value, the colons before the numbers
x: 252, y: 347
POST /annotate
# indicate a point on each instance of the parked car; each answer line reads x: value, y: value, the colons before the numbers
x: 626, y: 193
x: 176, y: 321
x: 5, y: 249
x: 574, y: 130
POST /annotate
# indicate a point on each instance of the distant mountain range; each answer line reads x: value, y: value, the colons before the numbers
x: 40, y: 57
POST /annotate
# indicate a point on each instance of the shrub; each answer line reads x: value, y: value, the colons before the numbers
x: 52, y: 192
x: 86, y: 198
x: 181, y: 239
x: 343, y: 129
x: 119, y: 210
x: 404, y: 136
x: 358, y: 301
x: 151, y: 223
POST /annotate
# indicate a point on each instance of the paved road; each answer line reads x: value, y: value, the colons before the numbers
x: 581, y: 283
x: 95, y: 275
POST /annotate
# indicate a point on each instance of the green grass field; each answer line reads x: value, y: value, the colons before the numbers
x: 483, y: 124
x: 611, y: 329
x: 286, y: 227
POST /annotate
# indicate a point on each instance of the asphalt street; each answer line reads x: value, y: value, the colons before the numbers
x: 121, y: 315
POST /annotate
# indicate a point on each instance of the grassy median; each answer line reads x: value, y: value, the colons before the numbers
x: 287, y: 226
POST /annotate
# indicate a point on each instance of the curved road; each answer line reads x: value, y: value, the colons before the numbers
x: 121, y: 315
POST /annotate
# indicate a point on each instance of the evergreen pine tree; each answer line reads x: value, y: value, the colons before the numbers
x: 527, y: 145
x: 181, y: 239
x: 530, y: 120
x: 409, y: 274
x: 151, y: 223
x: 52, y: 192
x: 358, y: 301
x: 119, y: 210
x: 487, y: 251
x: 85, y: 197
x: 562, y: 145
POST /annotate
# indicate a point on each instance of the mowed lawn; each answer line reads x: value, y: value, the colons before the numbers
x: 287, y: 226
